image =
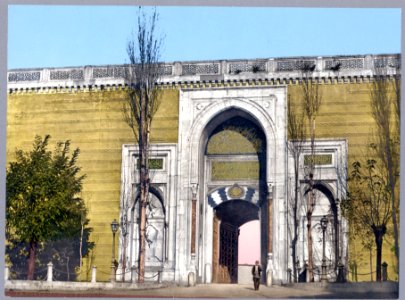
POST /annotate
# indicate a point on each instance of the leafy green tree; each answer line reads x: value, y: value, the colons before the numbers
x: 42, y: 194
x: 368, y: 207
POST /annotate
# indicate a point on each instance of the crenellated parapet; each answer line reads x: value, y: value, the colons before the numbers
x: 200, y: 74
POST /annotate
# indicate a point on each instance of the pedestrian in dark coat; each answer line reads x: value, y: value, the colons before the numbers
x: 256, y: 273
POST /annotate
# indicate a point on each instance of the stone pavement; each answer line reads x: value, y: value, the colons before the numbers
x: 308, y: 291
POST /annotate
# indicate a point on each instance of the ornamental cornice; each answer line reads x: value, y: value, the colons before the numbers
x: 209, y: 74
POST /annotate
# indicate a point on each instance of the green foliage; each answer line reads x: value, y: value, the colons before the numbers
x: 42, y: 198
x: 368, y: 206
x: 369, y: 198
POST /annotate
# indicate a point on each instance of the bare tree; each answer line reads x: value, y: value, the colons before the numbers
x: 385, y: 95
x: 312, y: 99
x: 296, y: 133
x: 143, y: 99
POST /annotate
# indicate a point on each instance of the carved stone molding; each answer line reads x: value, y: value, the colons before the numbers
x: 194, y: 189
x: 270, y: 187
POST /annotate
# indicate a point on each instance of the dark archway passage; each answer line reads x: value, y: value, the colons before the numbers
x: 228, y: 217
x: 234, y: 156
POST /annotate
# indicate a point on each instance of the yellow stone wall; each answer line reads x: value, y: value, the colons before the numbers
x: 93, y: 121
x: 346, y: 113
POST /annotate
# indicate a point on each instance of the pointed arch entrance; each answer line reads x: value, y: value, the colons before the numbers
x: 235, y: 176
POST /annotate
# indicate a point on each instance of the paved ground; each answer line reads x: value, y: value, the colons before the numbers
x: 212, y: 291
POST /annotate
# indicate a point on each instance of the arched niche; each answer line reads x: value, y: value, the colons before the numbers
x: 155, y: 236
x: 325, y: 206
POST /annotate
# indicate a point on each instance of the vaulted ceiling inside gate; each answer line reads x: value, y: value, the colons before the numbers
x: 237, y: 212
x: 236, y: 135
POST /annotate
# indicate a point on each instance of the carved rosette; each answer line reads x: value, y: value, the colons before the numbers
x: 236, y: 192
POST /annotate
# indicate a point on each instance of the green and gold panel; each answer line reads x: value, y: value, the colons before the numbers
x: 234, y: 170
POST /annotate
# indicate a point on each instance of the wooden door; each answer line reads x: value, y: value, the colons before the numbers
x: 225, y: 254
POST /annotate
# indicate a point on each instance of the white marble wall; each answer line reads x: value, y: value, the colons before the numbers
x: 333, y: 177
x: 165, y: 183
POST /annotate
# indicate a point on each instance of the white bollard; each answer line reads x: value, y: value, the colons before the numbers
x: 6, y: 273
x: 50, y: 272
x: 269, y: 278
x: 94, y: 274
x: 208, y: 273
x: 133, y: 274
x: 191, y: 279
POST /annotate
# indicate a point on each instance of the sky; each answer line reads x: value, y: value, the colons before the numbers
x: 62, y: 36
x: 249, y: 243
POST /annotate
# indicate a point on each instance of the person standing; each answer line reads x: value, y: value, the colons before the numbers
x: 256, y: 272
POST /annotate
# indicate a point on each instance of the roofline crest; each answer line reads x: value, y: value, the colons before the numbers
x: 279, y: 69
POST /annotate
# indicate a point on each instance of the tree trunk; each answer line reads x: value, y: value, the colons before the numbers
x: 379, y: 232
x: 144, y: 186
x: 67, y: 268
x: 311, y: 203
x: 124, y: 262
x: 295, y: 207
x: 31, y: 260
x: 371, y: 264
x: 81, y: 250
x: 310, y: 250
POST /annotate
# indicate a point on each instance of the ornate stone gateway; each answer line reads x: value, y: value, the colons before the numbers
x: 233, y: 142
x: 230, y: 166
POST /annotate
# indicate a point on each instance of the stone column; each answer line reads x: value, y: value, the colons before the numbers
x: 269, y: 270
x: 194, y: 189
x: 270, y: 219
x: 215, y: 248
x: 193, y: 271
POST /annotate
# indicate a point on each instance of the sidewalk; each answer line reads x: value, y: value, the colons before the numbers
x: 307, y: 291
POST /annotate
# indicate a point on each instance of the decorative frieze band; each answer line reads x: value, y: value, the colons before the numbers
x: 114, y: 72
x: 75, y: 74
x: 392, y: 62
x: 293, y: 65
x: 166, y: 70
x: 275, y: 71
x: 24, y: 76
x: 236, y: 68
x: 120, y: 72
x: 345, y: 64
x: 195, y: 69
